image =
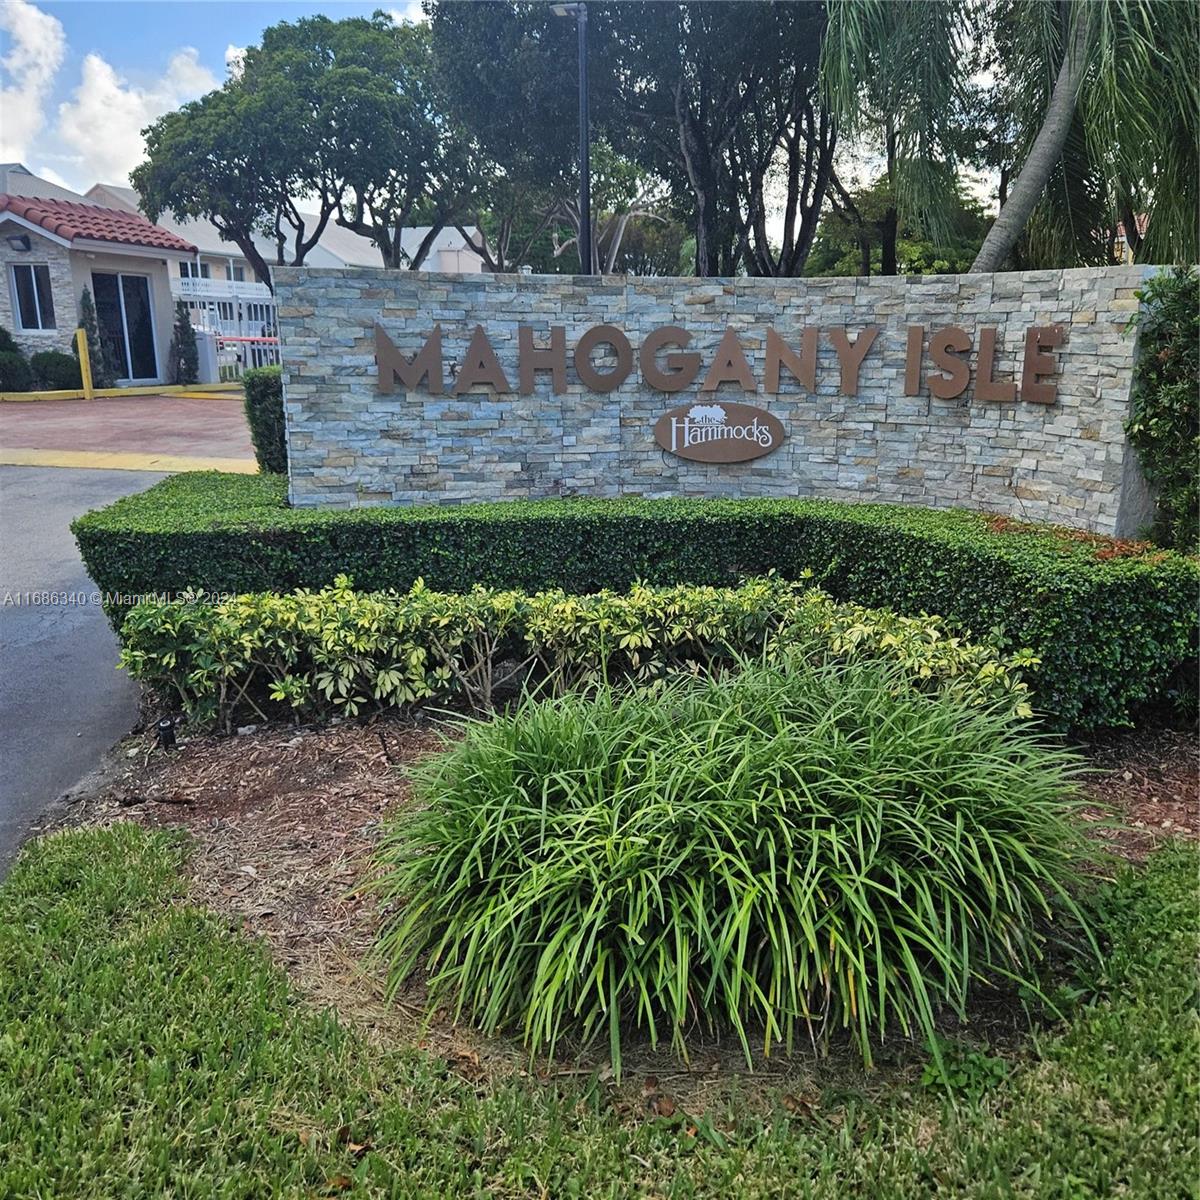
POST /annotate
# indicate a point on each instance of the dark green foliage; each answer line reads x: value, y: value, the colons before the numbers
x: 264, y: 413
x: 55, y: 371
x: 1165, y: 421
x: 1109, y: 628
x: 788, y: 852
x: 104, y: 373
x: 8, y: 344
x: 183, y: 357
x: 16, y: 375
x: 147, y: 1049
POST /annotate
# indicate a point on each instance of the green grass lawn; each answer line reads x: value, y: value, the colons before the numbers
x: 148, y: 1049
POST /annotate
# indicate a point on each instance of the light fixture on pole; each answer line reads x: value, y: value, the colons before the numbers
x: 579, y: 12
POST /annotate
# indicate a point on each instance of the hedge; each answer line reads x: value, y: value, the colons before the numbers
x: 1113, y: 623
x: 263, y: 388
x: 341, y: 652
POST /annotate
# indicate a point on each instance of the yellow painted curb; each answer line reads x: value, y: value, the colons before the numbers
x: 191, y: 392
x: 120, y: 460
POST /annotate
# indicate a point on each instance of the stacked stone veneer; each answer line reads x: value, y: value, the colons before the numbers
x: 1066, y: 462
x: 58, y: 259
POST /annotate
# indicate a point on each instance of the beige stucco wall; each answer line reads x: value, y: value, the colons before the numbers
x: 83, y: 263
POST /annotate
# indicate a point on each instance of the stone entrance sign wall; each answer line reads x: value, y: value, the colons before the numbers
x: 1001, y: 392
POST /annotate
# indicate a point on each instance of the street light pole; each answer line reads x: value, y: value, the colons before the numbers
x: 579, y: 12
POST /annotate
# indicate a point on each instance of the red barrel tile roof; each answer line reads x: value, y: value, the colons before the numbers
x: 70, y: 220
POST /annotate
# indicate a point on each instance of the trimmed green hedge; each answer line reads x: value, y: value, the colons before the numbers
x: 1111, y: 622
x: 263, y: 388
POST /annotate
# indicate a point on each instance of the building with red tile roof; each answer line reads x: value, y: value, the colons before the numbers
x: 55, y: 244
x: 89, y: 222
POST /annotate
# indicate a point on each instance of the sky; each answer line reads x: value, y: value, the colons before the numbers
x: 79, y: 80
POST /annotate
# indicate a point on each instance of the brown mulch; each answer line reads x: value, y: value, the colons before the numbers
x: 1147, y: 789
x: 284, y: 822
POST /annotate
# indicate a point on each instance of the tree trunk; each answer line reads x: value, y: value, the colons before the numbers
x: 1044, y: 155
x: 887, y: 242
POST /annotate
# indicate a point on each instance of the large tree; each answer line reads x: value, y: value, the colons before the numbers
x: 326, y: 120
x: 1098, y: 100
x: 377, y: 132
x: 718, y: 100
x: 227, y: 158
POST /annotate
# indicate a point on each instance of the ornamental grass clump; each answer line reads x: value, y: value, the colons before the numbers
x: 781, y: 851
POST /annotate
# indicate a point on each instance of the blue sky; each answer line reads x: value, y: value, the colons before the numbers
x: 81, y: 78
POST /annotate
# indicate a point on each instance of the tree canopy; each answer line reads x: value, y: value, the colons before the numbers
x: 730, y: 119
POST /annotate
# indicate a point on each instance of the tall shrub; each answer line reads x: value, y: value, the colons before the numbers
x: 1164, y: 423
x: 104, y: 373
x: 184, y: 357
x: 264, y: 412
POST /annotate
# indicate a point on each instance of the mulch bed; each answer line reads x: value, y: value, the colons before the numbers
x: 284, y: 821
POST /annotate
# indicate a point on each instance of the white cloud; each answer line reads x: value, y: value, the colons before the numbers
x: 103, y: 121
x: 409, y: 13
x: 38, y: 45
x: 235, y: 57
x: 49, y: 173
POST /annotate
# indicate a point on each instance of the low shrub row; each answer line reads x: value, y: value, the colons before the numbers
x: 788, y: 851
x: 49, y: 370
x: 1111, y: 622
x: 338, y: 651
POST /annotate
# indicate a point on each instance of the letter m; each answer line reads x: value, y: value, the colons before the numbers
x: 425, y: 364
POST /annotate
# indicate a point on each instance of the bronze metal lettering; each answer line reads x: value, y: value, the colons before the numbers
x: 425, y: 364
x: 729, y: 365
x: 850, y: 355
x: 944, y: 347
x: 680, y: 369
x: 480, y: 366
x: 1036, y: 363
x: 986, y: 387
x: 718, y: 432
x: 603, y: 381
x: 531, y: 359
x: 912, y: 360
x: 803, y: 365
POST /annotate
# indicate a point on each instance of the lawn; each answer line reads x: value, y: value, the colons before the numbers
x: 149, y: 1048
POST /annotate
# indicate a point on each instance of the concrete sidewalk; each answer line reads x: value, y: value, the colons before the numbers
x: 135, y: 433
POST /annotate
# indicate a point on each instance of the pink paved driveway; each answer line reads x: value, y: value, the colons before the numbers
x: 136, y: 424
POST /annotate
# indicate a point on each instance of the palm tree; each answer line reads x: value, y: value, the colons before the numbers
x: 1118, y: 73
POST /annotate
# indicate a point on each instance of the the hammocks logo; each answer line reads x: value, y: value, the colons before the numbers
x: 718, y: 433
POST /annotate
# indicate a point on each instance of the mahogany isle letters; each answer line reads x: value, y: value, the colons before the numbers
x: 667, y: 365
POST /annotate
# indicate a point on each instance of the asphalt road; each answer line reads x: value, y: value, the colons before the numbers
x: 62, y: 701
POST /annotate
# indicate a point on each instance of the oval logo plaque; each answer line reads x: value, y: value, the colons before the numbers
x: 718, y: 432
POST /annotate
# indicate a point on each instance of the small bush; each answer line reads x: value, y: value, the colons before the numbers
x: 16, y: 375
x: 1165, y: 421
x: 104, y: 370
x: 56, y: 371
x: 788, y: 849
x: 263, y: 387
x: 1111, y: 622
x: 314, y: 654
x: 183, y: 357
x: 8, y: 343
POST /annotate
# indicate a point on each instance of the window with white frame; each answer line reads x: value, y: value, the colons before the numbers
x: 239, y: 273
x: 191, y: 270
x: 33, y: 301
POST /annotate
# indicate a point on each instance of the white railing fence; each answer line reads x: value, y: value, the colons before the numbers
x: 241, y: 316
